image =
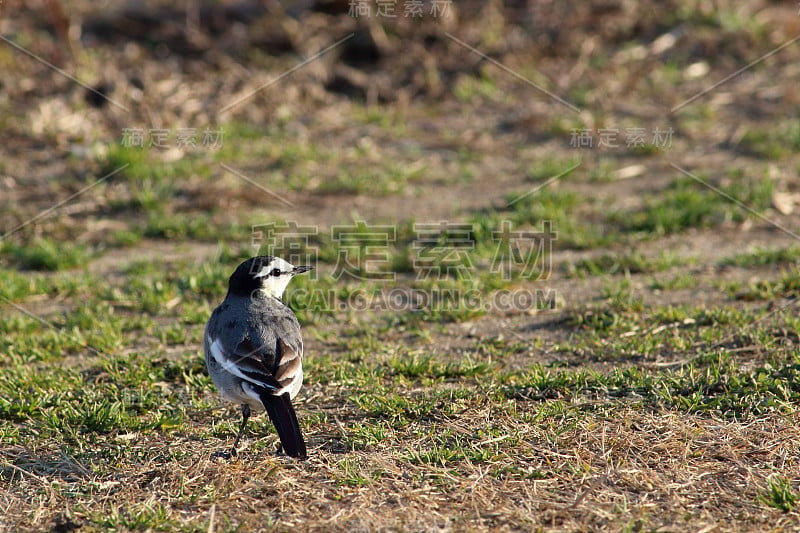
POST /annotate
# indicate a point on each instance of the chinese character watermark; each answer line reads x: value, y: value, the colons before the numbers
x: 440, y: 250
x: 364, y: 251
x: 164, y: 138
x: 631, y: 138
x: 443, y: 249
x: 527, y: 253
x: 393, y: 9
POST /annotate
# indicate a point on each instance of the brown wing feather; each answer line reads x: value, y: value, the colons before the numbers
x: 290, y: 363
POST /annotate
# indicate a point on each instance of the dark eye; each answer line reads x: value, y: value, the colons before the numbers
x: 275, y: 272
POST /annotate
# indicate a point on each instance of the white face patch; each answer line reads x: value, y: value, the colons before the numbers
x: 276, y: 263
x: 272, y: 282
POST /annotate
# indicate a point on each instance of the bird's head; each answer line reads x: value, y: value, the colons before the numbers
x: 263, y: 273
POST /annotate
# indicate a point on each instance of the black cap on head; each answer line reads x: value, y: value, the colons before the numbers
x: 244, y: 281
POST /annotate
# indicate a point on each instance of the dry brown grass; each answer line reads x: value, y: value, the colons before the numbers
x: 619, y: 469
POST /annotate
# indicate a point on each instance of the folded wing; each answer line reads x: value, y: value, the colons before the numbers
x: 272, y: 387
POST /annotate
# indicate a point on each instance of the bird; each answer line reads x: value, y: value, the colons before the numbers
x: 254, y: 350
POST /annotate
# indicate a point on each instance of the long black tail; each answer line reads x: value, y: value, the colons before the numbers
x: 281, y: 412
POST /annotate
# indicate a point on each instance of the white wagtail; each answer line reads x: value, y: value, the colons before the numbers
x: 253, y: 347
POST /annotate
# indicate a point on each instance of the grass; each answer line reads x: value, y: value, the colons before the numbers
x: 609, y: 368
x: 472, y: 88
x: 687, y: 203
x: 403, y: 430
x: 775, y: 142
x: 764, y: 256
x: 108, y: 392
x: 109, y: 397
x: 779, y: 494
x: 45, y: 254
x: 786, y: 286
x: 631, y: 263
x: 535, y: 210
x: 544, y: 169
x: 138, y: 409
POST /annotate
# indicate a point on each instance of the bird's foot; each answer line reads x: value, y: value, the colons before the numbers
x: 225, y: 455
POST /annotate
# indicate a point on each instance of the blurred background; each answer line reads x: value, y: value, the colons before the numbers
x: 387, y: 110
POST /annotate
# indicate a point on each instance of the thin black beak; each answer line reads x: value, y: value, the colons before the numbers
x: 301, y: 269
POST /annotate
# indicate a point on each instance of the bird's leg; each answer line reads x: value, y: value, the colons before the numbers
x: 245, y: 416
